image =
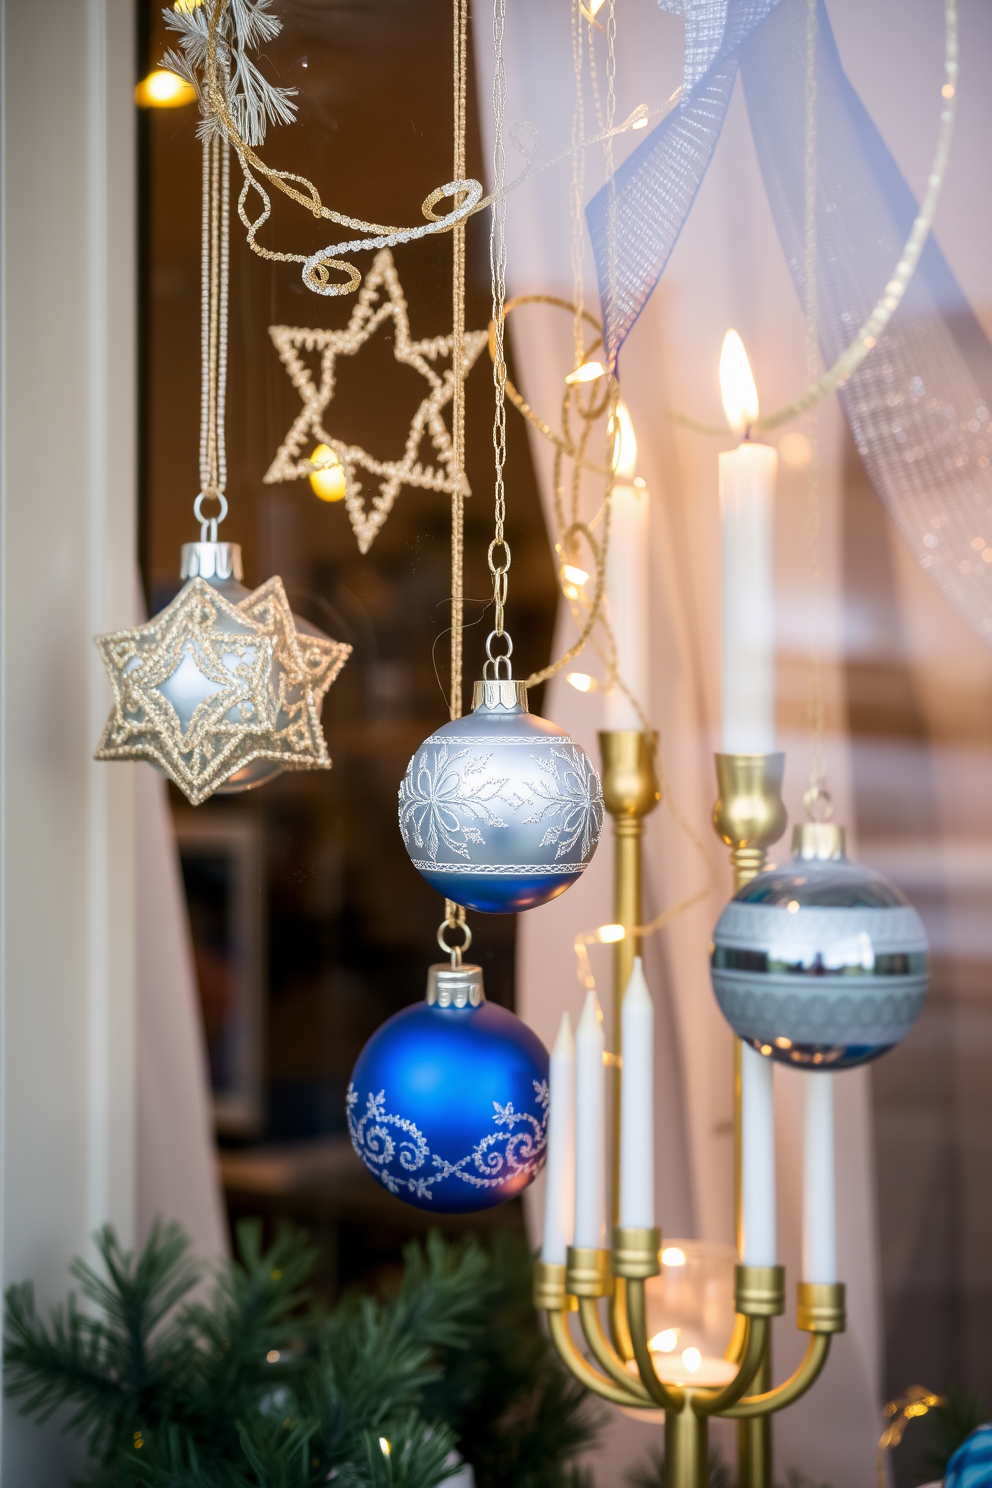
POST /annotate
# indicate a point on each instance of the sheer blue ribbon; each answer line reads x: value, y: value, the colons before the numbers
x: 919, y: 405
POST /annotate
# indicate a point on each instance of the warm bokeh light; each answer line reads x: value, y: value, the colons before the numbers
x: 737, y: 389
x: 384, y: 1446
x: 625, y: 455
x: 691, y: 1360
x: 164, y: 89
x: 328, y: 480
x: 672, y: 1256
x: 273, y: 1356
x: 795, y: 449
x: 587, y: 372
x: 639, y: 118
x: 581, y: 681
x: 575, y: 575
x: 187, y: 5
x: 665, y: 1342
x: 610, y: 933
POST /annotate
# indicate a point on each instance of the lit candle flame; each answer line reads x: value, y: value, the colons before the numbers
x: 691, y: 1360
x: 737, y: 389
x: 672, y: 1256
x: 625, y: 453
x: 665, y: 1342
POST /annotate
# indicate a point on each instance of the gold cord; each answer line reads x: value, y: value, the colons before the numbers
x: 454, y: 914
x: 214, y: 295
x: 460, y: 14
x: 816, y: 798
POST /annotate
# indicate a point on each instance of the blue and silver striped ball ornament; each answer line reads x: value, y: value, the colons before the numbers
x: 971, y: 1464
x: 500, y: 810
x: 821, y: 962
x: 448, y: 1103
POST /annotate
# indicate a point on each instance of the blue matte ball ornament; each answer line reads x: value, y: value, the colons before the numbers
x: 500, y: 810
x: 448, y: 1103
x: 971, y: 1464
x: 820, y: 963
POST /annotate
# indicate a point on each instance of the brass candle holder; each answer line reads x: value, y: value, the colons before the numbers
x: 749, y: 816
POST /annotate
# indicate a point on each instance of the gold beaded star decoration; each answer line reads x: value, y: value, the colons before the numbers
x: 210, y: 685
x: 380, y: 300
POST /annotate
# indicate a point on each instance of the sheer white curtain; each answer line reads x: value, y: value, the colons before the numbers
x: 727, y: 270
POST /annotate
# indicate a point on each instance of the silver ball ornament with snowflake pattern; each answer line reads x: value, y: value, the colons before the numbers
x: 500, y: 810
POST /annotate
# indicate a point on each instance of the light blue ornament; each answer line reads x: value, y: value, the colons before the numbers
x: 822, y: 962
x: 971, y: 1464
x: 448, y: 1102
x: 500, y: 811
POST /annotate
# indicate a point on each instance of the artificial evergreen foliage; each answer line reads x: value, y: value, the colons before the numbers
x: 258, y: 1387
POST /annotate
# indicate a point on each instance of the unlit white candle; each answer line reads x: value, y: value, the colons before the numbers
x: 758, y: 1158
x: 637, y: 1104
x: 559, y: 1191
x: 590, y: 1127
x: 627, y: 562
x: 819, y: 1199
x: 747, y: 488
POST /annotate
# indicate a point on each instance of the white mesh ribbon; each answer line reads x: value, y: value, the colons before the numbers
x: 919, y: 404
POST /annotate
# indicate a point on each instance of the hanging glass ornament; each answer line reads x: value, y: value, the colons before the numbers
x: 820, y: 962
x: 500, y: 810
x: 448, y: 1103
x: 223, y: 688
x: 971, y: 1465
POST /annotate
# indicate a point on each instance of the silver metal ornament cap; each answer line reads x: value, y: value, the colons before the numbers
x: 454, y: 986
x: 211, y: 560
x: 819, y: 841
x: 502, y: 693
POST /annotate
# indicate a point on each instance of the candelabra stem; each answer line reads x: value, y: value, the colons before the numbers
x: 686, y: 1450
x: 749, y: 816
x: 630, y: 793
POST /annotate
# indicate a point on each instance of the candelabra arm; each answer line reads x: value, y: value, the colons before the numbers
x: 707, y: 1403
x: 603, y: 1352
x: 669, y: 1397
x: 796, y: 1385
x: 588, y: 1377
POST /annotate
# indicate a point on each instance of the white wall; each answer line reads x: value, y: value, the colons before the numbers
x: 67, y: 401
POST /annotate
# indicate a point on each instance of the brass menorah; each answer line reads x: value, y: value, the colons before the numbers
x: 617, y: 1363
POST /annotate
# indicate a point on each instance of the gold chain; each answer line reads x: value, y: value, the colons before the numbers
x: 497, y: 264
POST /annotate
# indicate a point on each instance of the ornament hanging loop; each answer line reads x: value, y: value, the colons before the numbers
x: 456, y: 952
x: 495, y: 661
x: 209, y: 524
x: 818, y: 802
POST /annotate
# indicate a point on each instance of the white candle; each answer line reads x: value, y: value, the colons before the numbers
x: 627, y: 562
x: 590, y: 1128
x: 559, y: 1191
x: 637, y: 1104
x: 758, y: 1158
x: 747, y: 510
x: 819, y: 1212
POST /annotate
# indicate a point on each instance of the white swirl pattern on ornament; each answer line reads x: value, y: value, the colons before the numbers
x: 373, y: 1138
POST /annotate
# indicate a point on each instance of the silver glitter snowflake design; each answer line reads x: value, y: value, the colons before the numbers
x: 381, y: 1138
x: 570, y: 797
x: 442, y: 801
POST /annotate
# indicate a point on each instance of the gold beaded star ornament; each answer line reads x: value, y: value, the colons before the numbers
x: 223, y: 688
x: 380, y: 301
